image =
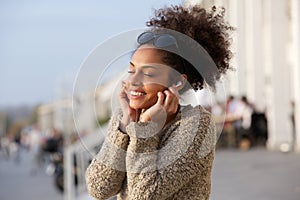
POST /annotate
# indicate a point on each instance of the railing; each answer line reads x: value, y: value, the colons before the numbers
x: 76, y: 159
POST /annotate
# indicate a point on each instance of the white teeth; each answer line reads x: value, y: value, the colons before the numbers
x: 136, y: 93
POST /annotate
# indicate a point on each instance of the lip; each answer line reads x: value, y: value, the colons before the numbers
x: 136, y: 94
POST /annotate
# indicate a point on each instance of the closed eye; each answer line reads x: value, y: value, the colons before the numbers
x: 150, y: 75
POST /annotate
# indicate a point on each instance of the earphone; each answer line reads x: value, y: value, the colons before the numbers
x: 179, y: 83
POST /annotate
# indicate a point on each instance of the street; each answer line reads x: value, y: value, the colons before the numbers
x: 16, y: 181
x: 256, y: 174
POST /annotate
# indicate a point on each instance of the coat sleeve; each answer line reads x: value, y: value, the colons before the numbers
x: 106, y: 173
x: 149, y: 176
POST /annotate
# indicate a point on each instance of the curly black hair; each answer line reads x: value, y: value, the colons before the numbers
x: 208, y: 28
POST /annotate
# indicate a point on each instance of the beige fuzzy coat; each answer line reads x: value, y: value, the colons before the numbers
x: 174, y: 163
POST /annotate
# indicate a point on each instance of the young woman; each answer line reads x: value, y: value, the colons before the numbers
x: 155, y: 147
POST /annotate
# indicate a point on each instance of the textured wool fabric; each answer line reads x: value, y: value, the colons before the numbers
x: 174, y: 163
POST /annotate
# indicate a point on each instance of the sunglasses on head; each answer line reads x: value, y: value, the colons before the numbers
x: 158, y: 40
x: 163, y: 40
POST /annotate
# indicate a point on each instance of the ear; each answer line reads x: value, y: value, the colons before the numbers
x: 183, y: 80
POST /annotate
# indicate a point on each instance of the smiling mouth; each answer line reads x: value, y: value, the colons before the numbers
x: 137, y: 93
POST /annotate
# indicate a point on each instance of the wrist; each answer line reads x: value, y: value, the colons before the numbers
x: 123, y: 123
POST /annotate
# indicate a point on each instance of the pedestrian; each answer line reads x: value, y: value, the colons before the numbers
x: 35, y: 149
x: 231, y: 120
x: 156, y: 148
x: 293, y: 123
x: 244, y: 111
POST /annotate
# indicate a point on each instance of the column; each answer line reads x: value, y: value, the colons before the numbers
x: 295, y: 14
x: 278, y: 98
x: 235, y: 12
x: 255, y: 76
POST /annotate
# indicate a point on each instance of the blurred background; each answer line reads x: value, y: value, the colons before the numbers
x: 44, y: 154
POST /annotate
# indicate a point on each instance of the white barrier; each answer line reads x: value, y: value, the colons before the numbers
x: 76, y: 159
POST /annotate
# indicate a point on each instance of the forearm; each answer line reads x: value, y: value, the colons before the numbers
x: 106, y: 173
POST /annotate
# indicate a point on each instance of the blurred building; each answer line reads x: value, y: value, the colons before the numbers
x: 56, y: 115
x: 266, y: 50
x: 45, y: 117
x: 79, y: 113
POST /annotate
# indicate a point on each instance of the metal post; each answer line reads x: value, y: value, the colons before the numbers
x: 68, y: 175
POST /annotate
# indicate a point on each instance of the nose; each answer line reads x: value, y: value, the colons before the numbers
x: 135, y: 79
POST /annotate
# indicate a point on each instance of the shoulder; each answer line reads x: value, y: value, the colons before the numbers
x: 199, y: 123
x: 197, y: 116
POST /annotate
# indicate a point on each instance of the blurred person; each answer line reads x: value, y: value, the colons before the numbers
x: 259, y: 127
x: 148, y: 95
x: 5, y: 143
x: 247, y: 110
x: 34, y: 145
x: 229, y: 131
x: 238, y: 121
x: 244, y: 113
x: 15, y: 146
x: 293, y: 123
x: 54, y: 142
x: 51, y: 147
x: 12, y: 148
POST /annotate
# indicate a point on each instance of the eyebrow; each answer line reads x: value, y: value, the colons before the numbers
x: 145, y: 66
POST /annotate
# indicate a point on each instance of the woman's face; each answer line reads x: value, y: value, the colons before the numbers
x: 147, y: 75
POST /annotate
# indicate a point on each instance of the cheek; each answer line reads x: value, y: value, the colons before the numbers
x: 153, y: 89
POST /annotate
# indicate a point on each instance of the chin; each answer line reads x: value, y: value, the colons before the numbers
x: 136, y: 105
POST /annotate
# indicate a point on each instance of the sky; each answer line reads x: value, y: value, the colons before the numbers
x: 43, y: 43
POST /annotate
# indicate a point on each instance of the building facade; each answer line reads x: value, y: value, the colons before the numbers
x: 266, y: 50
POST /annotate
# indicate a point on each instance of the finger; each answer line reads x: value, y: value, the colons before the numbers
x: 124, y: 85
x: 174, y: 90
x: 123, y: 100
x: 122, y: 96
x: 171, y: 102
x: 169, y: 97
x: 174, y: 93
x: 161, y: 98
x: 123, y: 91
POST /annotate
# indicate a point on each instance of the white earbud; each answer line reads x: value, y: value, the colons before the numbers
x: 179, y: 83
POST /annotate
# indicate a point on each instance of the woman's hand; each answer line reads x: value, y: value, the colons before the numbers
x: 165, y: 107
x: 129, y: 114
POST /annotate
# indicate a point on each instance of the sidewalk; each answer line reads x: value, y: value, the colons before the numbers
x: 16, y: 182
x: 256, y: 174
